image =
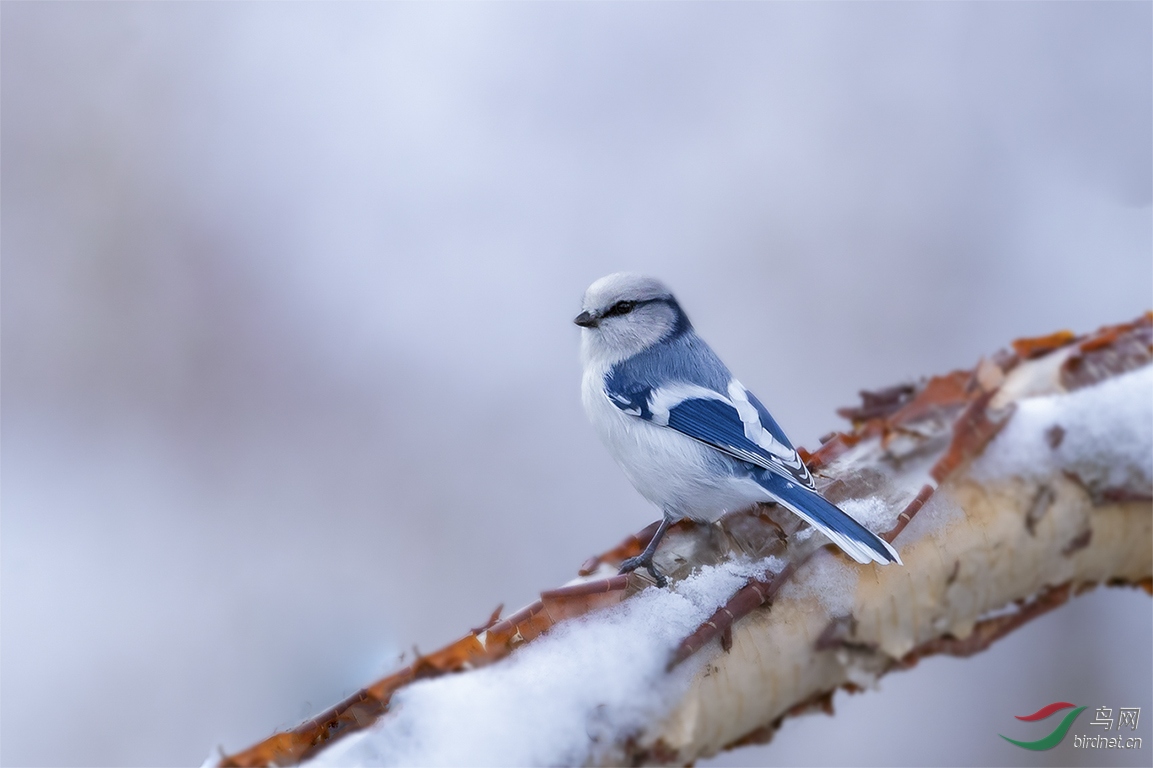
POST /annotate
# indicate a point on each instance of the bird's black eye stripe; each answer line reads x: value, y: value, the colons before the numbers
x: 620, y: 308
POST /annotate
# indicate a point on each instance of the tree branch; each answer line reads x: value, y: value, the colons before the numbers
x: 1006, y: 489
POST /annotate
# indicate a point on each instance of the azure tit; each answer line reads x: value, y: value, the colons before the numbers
x: 689, y: 436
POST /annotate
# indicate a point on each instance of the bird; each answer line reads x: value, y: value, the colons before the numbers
x: 689, y: 436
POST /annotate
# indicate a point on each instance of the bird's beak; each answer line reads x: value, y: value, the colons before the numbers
x: 585, y: 320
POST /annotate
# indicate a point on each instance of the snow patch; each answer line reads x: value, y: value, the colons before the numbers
x: 871, y: 512
x: 1106, y: 429
x: 829, y: 579
x: 564, y: 699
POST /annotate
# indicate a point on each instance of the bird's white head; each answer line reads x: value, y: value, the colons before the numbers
x: 624, y: 314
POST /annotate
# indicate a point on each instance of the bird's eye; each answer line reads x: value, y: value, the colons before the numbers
x: 621, y: 308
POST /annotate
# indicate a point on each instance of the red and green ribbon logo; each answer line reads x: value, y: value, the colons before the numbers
x: 1054, y: 738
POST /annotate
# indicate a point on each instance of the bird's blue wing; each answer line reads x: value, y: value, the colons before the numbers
x: 734, y: 423
x: 716, y: 420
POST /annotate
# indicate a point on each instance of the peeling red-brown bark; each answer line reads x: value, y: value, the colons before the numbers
x: 747, y: 599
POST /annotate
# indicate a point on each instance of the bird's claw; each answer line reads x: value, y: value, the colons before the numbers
x: 633, y: 563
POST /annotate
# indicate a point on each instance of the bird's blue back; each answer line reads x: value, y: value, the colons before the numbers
x: 680, y: 358
x: 683, y: 357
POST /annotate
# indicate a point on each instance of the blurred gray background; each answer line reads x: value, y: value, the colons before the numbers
x: 289, y: 376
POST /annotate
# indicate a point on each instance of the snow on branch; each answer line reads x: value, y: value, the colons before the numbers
x: 1006, y: 488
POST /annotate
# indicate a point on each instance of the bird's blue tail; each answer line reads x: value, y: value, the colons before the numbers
x: 856, y: 540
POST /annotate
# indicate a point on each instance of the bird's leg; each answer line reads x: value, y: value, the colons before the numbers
x: 646, y: 558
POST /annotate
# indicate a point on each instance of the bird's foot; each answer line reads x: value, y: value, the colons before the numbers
x: 645, y: 560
